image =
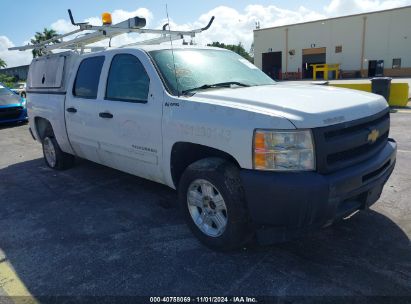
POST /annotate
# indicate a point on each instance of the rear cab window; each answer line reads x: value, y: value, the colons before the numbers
x: 88, y: 77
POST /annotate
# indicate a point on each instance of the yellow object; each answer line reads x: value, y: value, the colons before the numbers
x: 366, y: 87
x: 13, y: 287
x: 259, y: 150
x: 106, y: 18
x: 399, y: 94
x: 259, y: 141
x: 373, y: 136
x: 398, y: 91
x: 259, y: 160
x: 325, y: 68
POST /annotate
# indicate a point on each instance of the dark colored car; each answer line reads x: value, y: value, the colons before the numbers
x: 12, y: 106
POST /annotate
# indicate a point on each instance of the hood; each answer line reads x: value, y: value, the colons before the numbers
x: 7, y: 97
x: 306, y: 106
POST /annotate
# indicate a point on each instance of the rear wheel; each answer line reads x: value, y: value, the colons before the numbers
x: 54, y: 157
x: 213, y: 203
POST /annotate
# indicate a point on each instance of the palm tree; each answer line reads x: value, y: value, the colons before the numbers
x: 47, y: 34
x: 3, y: 64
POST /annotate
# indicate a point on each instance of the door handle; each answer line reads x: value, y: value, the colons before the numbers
x: 71, y: 110
x: 105, y: 115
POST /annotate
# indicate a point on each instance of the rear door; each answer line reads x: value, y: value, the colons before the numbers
x: 130, y: 112
x: 82, y: 117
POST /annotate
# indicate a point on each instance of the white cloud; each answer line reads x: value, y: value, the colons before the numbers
x: 345, y: 7
x: 14, y: 58
x: 231, y: 26
x: 121, y: 15
x: 63, y: 26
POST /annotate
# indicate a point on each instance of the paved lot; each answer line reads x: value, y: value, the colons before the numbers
x: 96, y: 231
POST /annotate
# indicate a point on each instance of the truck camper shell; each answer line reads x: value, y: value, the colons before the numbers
x: 50, y: 73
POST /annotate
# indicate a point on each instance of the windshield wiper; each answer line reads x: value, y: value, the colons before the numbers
x: 215, y: 85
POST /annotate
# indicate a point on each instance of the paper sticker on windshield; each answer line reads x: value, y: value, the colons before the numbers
x: 1, y: 87
x: 247, y: 63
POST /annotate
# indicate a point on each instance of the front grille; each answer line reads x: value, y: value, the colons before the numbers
x: 343, y: 145
x: 354, y: 152
x: 10, y: 113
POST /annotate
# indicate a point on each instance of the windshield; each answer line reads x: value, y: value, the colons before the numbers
x: 203, y: 69
x: 8, y: 97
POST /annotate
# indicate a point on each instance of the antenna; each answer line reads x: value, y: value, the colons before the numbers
x: 172, y: 50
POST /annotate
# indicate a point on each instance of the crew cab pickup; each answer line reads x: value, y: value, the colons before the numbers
x: 248, y: 156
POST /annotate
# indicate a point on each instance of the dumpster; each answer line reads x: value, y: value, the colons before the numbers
x: 381, y: 86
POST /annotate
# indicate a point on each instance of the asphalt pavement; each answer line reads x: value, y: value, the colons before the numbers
x: 95, y: 231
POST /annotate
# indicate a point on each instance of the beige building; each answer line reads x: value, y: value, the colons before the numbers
x: 367, y: 45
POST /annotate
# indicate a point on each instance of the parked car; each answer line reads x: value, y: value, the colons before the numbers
x: 20, y: 90
x: 248, y: 156
x: 12, y: 106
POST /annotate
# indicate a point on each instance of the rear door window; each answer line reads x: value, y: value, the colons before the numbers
x: 88, y: 76
x: 127, y: 80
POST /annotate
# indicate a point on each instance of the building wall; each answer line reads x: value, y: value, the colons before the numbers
x: 19, y: 72
x: 387, y: 36
x: 395, y: 27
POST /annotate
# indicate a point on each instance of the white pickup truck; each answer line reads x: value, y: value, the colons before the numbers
x: 248, y: 156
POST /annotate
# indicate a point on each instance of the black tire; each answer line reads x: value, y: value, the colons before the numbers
x: 62, y: 161
x: 226, y: 179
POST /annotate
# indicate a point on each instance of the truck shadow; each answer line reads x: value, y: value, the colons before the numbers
x: 10, y: 125
x: 92, y: 230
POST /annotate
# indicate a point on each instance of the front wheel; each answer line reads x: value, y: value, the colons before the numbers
x: 213, y: 203
x: 54, y: 157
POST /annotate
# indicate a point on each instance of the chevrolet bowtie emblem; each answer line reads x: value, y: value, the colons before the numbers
x: 373, y: 136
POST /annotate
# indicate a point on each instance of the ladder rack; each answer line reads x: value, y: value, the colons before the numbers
x: 99, y: 33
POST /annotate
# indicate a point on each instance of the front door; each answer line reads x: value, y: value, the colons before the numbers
x: 130, y: 113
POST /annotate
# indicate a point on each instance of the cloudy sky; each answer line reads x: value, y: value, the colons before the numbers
x: 235, y: 20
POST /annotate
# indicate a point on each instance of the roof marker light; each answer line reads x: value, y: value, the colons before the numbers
x: 106, y: 18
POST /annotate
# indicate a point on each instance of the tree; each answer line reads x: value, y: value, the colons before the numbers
x: 239, y: 49
x: 3, y: 64
x: 8, y: 81
x: 39, y: 37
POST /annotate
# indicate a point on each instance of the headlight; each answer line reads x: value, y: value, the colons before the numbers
x: 283, y: 150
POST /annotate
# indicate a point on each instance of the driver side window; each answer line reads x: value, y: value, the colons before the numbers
x: 127, y: 80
